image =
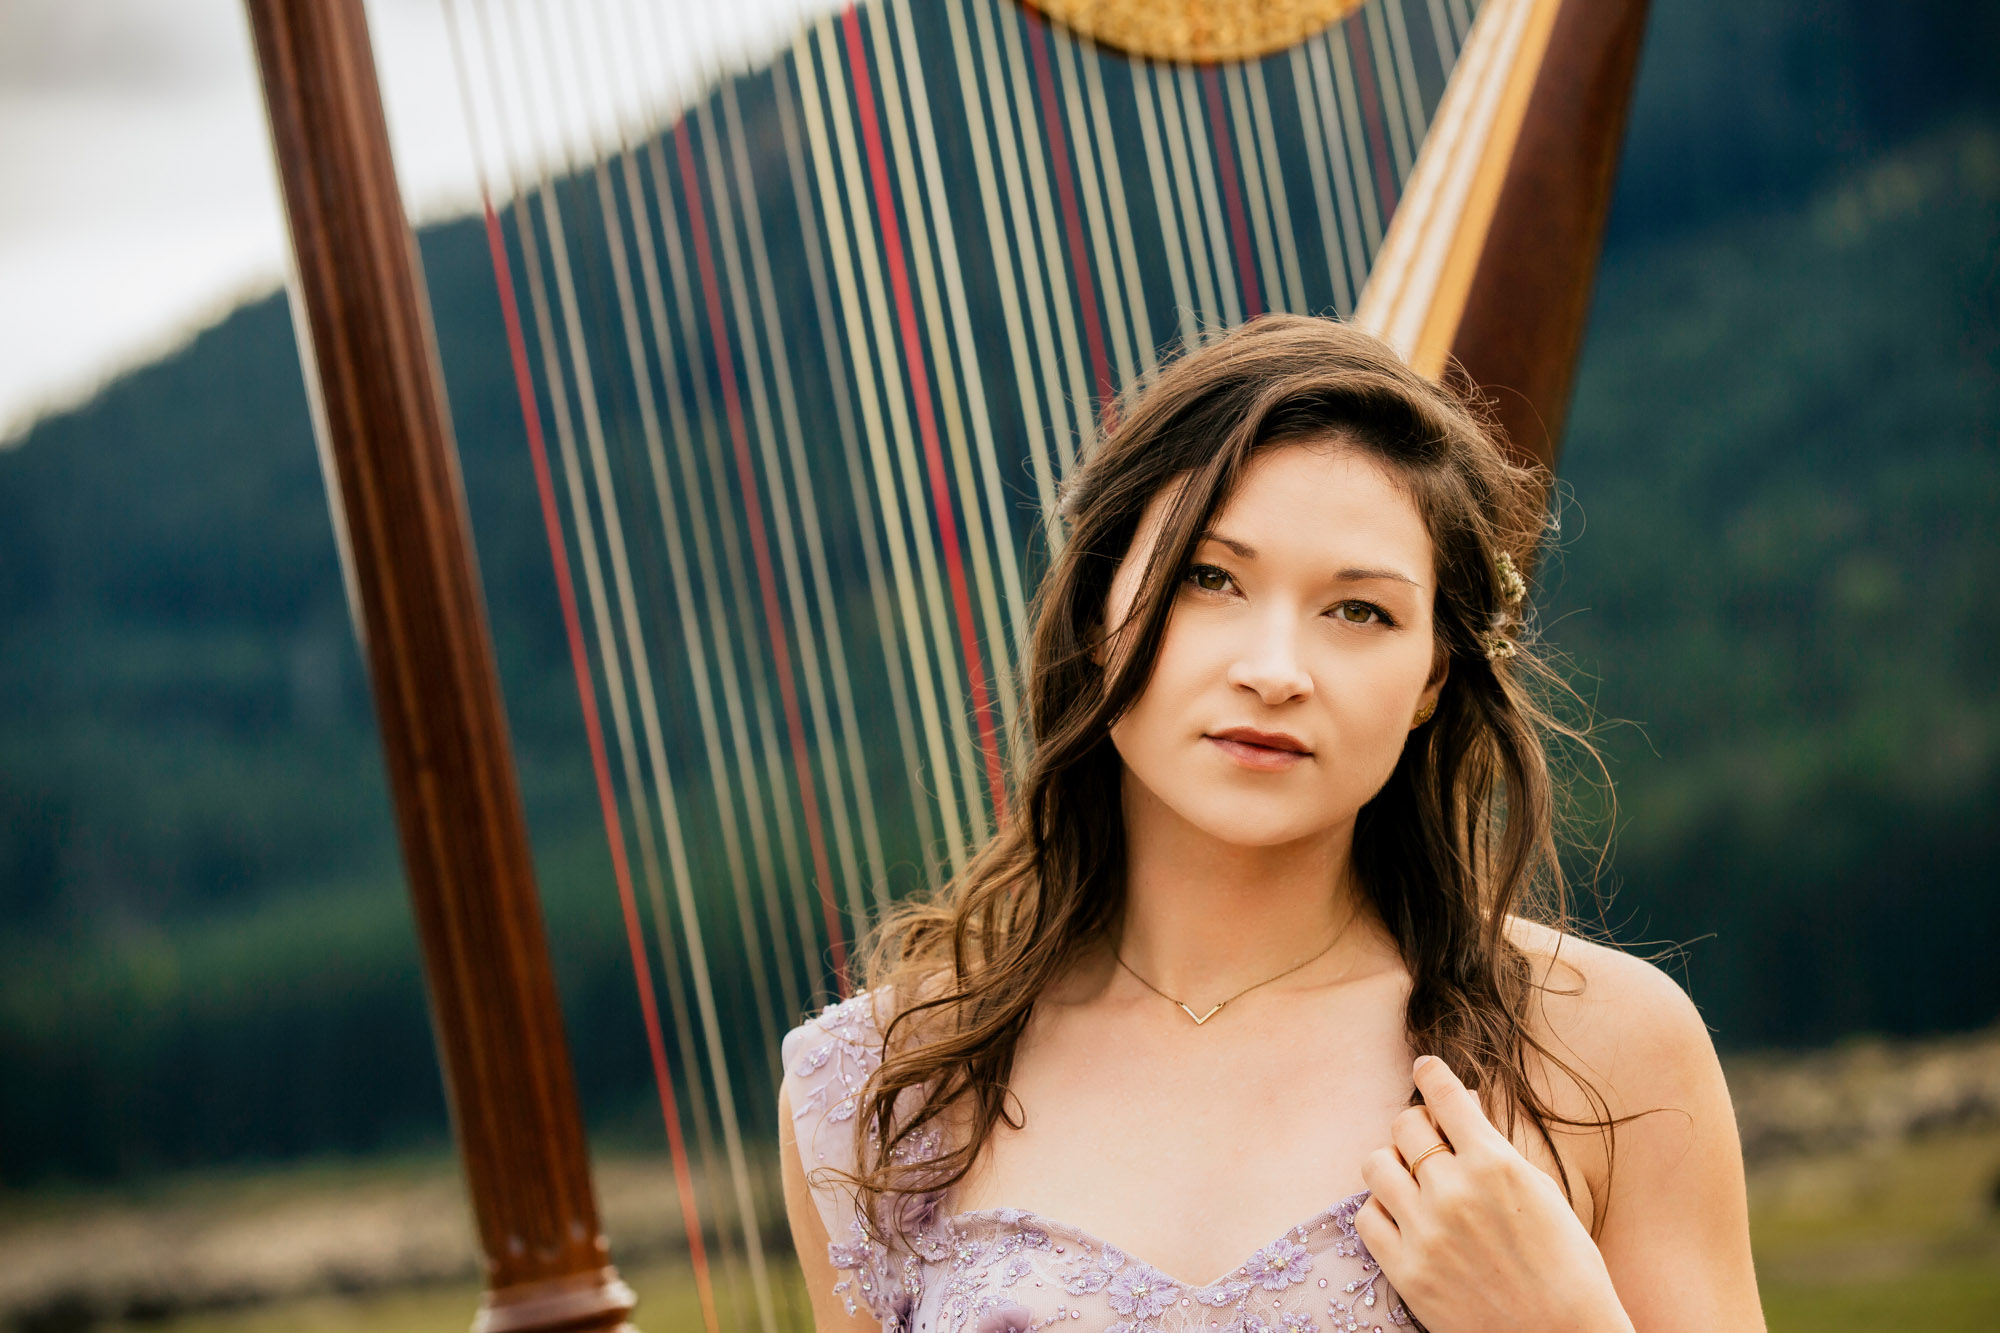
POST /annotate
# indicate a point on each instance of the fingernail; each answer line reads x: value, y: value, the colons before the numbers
x: 1423, y: 1060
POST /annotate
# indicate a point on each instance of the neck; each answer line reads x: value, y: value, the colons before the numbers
x: 1205, y: 918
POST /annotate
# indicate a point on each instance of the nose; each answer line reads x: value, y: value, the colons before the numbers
x: 1267, y: 662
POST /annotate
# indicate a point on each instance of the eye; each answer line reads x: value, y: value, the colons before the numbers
x: 1362, y: 613
x: 1209, y: 578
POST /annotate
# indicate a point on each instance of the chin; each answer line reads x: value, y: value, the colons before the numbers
x: 1256, y: 824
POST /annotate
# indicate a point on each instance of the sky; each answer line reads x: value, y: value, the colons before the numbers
x: 138, y: 202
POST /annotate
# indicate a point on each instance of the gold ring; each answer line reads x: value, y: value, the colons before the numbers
x: 1435, y: 1147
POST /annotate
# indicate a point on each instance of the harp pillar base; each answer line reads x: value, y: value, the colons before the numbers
x: 581, y: 1301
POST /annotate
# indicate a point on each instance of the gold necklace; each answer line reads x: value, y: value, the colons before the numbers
x: 1199, y: 1019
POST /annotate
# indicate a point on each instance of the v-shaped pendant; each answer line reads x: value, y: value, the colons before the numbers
x: 1199, y: 1019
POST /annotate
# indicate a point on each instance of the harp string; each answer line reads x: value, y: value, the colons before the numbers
x: 786, y: 96
x: 594, y: 437
x: 1058, y: 147
x: 925, y: 260
x: 754, y: 530
x: 1405, y: 65
x: 692, y: 632
x: 649, y: 1007
x: 881, y: 398
x: 1208, y: 280
x: 1012, y: 116
x: 1249, y: 171
x: 1187, y: 312
x: 1358, y: 89
x: 747, y: 324
x: 822, y: 579
x: 1234, y: 192
x: 1055, y: 263
x: 1343, y: 168
x: 1125, y: 326
x: 759, y: 767
x: 1201, y: 155
x: 1382, y: 66
x: 918, y: 375
x: 1288, y: 235
x: 999, y: 513
x: 901, y: 464
x: 691, y: 928
x: 1012, y: 293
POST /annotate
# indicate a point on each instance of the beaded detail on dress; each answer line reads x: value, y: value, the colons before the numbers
x: 1006, y: 1270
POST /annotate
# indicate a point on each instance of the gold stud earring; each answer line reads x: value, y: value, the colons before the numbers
x: 1424, y: 714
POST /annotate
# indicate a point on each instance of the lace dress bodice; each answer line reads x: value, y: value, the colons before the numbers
x: 1006, y: 1270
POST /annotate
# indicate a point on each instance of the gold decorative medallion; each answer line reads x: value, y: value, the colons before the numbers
x: 1198, y: 30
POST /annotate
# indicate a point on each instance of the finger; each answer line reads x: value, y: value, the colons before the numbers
x: 1454, y: 1108
x: 1415, y: 1133
x: 1379, y: 1232
x: 1389, y: 1184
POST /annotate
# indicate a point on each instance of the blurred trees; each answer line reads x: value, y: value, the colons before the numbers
x: 1778, y: 561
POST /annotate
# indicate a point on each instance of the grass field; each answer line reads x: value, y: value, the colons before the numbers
x: 1883, y: 1240
x: 1889, y: 1239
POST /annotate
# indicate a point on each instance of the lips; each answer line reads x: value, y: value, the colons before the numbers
x: 1264, y: 751
x: 1267, y: 740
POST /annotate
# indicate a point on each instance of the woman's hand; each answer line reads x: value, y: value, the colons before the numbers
x: 1478, y: 1239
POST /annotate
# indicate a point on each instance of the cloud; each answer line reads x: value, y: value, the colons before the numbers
x: 140, y: 200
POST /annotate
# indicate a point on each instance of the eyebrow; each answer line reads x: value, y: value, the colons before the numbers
x: 1245, y: 551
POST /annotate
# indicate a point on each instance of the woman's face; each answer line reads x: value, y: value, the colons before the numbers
x: 1299, y: 651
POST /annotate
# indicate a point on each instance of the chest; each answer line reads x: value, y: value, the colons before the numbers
x: 1191, y: 1146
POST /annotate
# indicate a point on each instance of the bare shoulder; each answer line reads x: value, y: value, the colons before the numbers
x: 1620, y: 1019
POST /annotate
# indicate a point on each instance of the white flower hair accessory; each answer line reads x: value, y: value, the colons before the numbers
x: 1512, y: 586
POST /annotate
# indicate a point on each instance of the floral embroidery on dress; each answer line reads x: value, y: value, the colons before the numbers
x: 1280, y: 1264
x: 1007, y: 1270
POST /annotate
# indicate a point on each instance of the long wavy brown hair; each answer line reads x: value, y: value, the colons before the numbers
x: 1460, y: 837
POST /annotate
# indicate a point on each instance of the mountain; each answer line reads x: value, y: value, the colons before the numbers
x: 1776, y: 581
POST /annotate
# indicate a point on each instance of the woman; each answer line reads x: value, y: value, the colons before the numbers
x: 1191, y: 1043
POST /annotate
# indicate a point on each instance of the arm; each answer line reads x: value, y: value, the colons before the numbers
x: 809, y: 1235
x: 1675, y: 1230
x: 1481, y: 1238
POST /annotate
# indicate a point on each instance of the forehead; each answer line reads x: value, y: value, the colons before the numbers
x: 1327, y: 502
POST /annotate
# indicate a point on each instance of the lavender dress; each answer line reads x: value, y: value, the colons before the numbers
x: 1005, y: 1270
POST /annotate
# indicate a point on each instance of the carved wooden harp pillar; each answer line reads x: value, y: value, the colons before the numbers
x: 379, y: 406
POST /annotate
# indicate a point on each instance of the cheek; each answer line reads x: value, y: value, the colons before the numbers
x: 1165, y: 708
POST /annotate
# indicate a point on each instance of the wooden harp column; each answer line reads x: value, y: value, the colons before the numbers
x: 1490, y: 258
x: 372, y: 375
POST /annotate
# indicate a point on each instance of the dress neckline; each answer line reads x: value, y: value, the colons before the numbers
x: 1017, y: 1216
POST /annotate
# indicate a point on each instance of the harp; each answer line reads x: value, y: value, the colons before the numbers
x: 984, y: 218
